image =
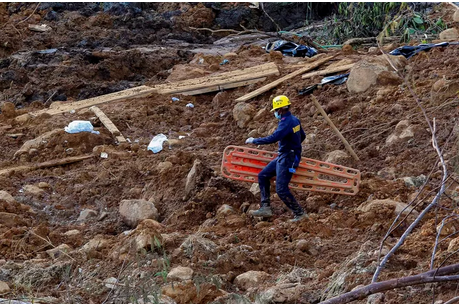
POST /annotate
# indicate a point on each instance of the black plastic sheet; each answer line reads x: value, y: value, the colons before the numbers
x: 291, y: 49
x: 337, y: 80
x: 409, y: 51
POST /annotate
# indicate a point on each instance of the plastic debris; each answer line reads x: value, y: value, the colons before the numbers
x: 175, y: 99
x: 291, y: 49
x: 104, y: 155
x: 48, y: 51
x: 156, y: 144
x: 181, y: 137
x: 190, y: 105
x: 78, y: 126
x: 409, y: 51
x: 225, y: 61
x: 337, y: 80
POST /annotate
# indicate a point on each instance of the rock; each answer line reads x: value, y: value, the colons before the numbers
x: 347, y: 49
x: 191, y: 179
x: 174, y: 143
x: 371, y: 205
x: 456, y: 16
x: 180, y: 274
x: 415, y: 181
x: 384, y: 92
x: 439, y: 84
x: 335, y: 105
x: 243, y: 113
x: 449, y: 34
x: 389, y: 78
x: 22, y: 119
x: 164, y: 166
x: 366, y: 73
x: 187, y: 292
x: 230, y: 55
x: 59, y: 251
x: 96, y: 244
x: 453, y: 245
x: 261, y: 114
x: 33, y: 190
x: 6, y: 197
x: 110, y: 283
x: 253, y: 133
x: 196, y: 245
x: 403, y: 131
x: 220, y: 100
x: 284, y: 293
x: 377, y: 298
x: 86, y: 214
x: 8, y: 109
x: 225, y: 210
x: 255, y: 189
x: 302, y: 245
x: 373, y: 50
x: 310, y: 138
x: 250, y: 279
x: 446, y: 89
x: 4, y: 288
x: 356, y: 111
x: 38, y: 141
x: 73, y: 232
x: 338, y: 157
x: 43, y: 185
x: 387, y: 173
x: 448, y: 228
x: 134, y: 211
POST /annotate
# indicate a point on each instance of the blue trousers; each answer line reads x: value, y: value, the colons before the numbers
x: 279, y: 167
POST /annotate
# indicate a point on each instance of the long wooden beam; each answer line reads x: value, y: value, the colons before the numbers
x: 274, y: 84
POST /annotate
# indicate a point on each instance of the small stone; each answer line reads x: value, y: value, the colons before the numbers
x: 110, y: 283
x: 250, y: 279
x: 43, y: 185
x: 5, y: 196
x: 302, y: 245
x: 373, y: 49
x: 439, y: 84
x: 8, y: 109
x: 253, y: 133
x: 243, y: 114
x: 180, y: 274
x: 59, y: 251
x: 4, y: 288
x: 33, y: 190
x: 449, y: 34
x: 225, y: 210
x: 72, y: 232
x: 34, y: 152
x: 230, y: 55
x: 333, y: 205
x: 86, y: 214
x: 164, y: 166
x: 456, y: 16
x: 22, y: 119
x: 260, y: 114
x: 175, y: 143
x: 134, y: 211
x: 356, y: 110
x: 338, y: 157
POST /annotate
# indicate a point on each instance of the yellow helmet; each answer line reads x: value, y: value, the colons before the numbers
x: 280, y: 102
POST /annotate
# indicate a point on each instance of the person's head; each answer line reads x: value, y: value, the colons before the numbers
x: 281, y: 105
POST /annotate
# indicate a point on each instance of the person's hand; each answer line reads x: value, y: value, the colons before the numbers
x: 249, y: 140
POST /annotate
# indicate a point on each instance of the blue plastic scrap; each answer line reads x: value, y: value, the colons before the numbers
x: 409, y: 51
x: 291, y: 49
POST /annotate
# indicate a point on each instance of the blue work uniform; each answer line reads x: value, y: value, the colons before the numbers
x: 290, y: 135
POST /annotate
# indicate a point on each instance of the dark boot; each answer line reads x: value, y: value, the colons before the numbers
x: 264, y: 211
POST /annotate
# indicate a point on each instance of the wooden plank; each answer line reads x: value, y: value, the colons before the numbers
x: 227, y: 76
x: 274, y: 84
x: 47, y: 164
x: 205, y: 82
x: 136, y: 92
x: 328, y: 71
x: 224, y: 86
x: 108, y: 124
x: 334, y: 128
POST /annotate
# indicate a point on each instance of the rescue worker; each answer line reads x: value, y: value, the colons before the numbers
x: 290, y: 135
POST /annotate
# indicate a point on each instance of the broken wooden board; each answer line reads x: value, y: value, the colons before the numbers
x: 108, y: 124
x: 328, y: 71
x: 47, y: 164
x: 220, y: 81
x: 274, y: 84
x: 136, y: 92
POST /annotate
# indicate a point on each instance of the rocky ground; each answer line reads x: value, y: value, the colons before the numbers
x: 71, y: 233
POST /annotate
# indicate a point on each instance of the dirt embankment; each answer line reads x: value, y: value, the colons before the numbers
x: 65, y: 236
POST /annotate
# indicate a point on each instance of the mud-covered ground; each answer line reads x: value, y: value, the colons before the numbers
x: 207, y: 227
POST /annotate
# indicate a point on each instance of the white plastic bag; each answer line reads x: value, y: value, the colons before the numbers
x: 156, y: 144
x: 78, y: 126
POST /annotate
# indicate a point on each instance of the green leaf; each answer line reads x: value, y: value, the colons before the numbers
x: 418, y: 20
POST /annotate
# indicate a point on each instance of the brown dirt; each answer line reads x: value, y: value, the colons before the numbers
x: 339, y: 238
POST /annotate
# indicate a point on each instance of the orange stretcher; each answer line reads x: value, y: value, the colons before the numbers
x: 244, y: 164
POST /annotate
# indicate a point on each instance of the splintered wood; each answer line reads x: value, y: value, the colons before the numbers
x: 108, y: 124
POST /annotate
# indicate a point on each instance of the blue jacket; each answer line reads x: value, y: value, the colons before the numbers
x: 289, y: 134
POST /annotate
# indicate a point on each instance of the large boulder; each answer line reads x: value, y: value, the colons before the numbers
x: 250, y: 279
x: 243, y: 114
x: 373, y: 71
x: 449, y: 34
x: 370, y: 206
x: 136, y: 210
